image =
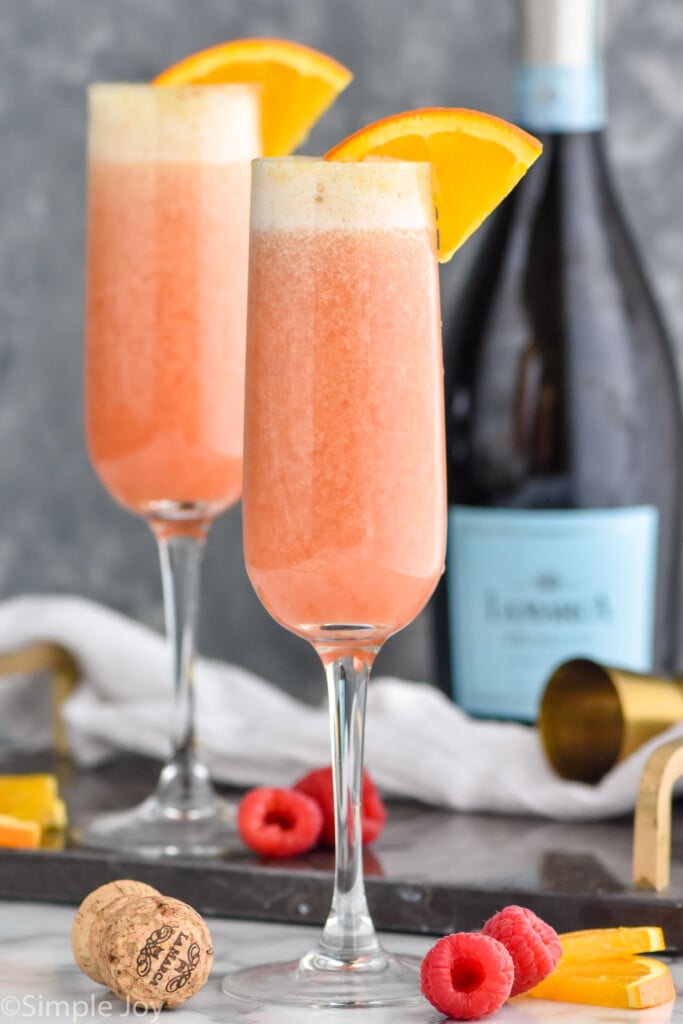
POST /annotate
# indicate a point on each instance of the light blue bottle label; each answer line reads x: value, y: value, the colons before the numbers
x: 548, y: 98
x: 530, y: 589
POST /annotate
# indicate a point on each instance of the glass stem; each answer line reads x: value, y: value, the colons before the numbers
x: 184, y: 785
x: 349, y: 935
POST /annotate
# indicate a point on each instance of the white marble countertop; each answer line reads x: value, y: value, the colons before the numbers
x: 39, y: 980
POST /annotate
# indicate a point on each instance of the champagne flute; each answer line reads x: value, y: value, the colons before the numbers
x: 344, y: 499
x: 167, y: 261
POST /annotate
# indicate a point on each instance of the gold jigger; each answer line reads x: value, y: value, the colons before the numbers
x: 593, y: 716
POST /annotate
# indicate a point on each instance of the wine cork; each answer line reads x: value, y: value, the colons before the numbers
x: 149, y: 949
x: 94, y: 914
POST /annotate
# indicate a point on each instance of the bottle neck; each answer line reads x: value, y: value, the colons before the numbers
x: 558, y: 83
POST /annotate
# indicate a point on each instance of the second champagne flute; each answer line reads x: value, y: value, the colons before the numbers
x: 167, y: 262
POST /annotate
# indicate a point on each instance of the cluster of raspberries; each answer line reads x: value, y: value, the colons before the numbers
x: 464, y: 975
x: 471, y: 974
x: 277, y: 822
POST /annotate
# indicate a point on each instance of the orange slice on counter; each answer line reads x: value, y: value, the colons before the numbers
x: 19, y: 834
x: 631, y: 982
x: 599, y: 943
x: 298, y: 83
x: 476, y: 160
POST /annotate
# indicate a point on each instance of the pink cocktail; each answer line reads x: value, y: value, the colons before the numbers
x: 344, y: 487
x: 168, y: 216
x: 167, y: 262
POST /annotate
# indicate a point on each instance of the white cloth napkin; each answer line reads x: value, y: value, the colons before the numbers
x: 418, y: 744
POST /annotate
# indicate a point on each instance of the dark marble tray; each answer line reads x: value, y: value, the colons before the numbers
x: 431, y: 871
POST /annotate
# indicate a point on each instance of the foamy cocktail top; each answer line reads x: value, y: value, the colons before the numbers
x: 209, y: 124
x: 307, y: 194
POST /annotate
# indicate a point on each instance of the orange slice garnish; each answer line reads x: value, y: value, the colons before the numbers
x: 476, y: 159
x: 633, y: 982
x: 19, y: 834
x: 298, y: 83
x: 599, y: 943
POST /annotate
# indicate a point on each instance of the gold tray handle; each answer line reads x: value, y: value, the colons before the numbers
x: 62, y: 667
x: 652, y: 821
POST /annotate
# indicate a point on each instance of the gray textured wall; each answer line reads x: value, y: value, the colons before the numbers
x: 59, y: 530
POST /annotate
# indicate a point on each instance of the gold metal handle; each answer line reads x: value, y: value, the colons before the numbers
x: 60, y: 664
x: 652, y: 822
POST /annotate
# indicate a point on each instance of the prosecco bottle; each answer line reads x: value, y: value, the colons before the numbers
x: 563, y: 410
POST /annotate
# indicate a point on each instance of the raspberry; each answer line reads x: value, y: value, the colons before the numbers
x: 467, y: 975
x: 278, y: 822
x: 318, y: 785
x: 533, y: 945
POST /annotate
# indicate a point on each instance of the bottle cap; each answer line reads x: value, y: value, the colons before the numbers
x: 558, y: 84
x: 566, y: 33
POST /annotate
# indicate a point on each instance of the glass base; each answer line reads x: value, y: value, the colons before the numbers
x: 319, y: 982
x: 155, y: 829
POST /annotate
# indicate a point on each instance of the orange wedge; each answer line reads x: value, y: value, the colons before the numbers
x: 599, y: 943
x: 298, y: 83
x: 633, y: 982
x: 19, y: 834
x: 476, y: 160
x: 32, y: 798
